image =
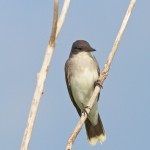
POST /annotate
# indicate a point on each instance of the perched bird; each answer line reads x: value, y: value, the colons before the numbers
x: 82, y: 73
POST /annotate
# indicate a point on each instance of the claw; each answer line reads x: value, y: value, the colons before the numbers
x: 98, y: 82
x: 84, y: 110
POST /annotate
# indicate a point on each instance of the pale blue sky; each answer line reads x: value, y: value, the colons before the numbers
x: 124, y: 104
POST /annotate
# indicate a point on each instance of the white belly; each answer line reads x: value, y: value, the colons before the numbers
x: 82, y: 86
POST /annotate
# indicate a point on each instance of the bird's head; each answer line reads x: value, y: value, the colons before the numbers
x: 81, y: 46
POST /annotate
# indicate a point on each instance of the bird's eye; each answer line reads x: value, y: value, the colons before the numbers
x: 77, y: 47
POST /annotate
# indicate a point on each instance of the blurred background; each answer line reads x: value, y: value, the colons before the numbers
x: 124, y: 105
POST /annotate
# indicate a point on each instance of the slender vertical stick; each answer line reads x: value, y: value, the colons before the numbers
x: 40, y: 82
x: 62, y: 16
x: 41, y: 77
x: 103, y: 76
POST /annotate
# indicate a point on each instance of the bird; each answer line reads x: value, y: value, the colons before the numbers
x: 82, y: 73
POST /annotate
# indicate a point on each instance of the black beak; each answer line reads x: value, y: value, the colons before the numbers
x: 92, y: 50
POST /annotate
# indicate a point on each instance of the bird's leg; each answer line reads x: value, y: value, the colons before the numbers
x: 98, y: 82
x: 84, y: 109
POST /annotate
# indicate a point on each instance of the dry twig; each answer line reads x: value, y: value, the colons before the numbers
x: 103, y: 76
x: 41, y: 77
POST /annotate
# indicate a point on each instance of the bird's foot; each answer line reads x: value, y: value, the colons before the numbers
x: 98, y: 82
x: 84, y: 110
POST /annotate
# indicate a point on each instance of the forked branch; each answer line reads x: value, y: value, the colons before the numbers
x: 41, y: 77
x: 103, y: 76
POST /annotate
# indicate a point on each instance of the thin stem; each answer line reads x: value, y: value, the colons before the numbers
x: 62, y: 16
x: 103, y: 76
x: 54, y: 27
x: 41, y: 77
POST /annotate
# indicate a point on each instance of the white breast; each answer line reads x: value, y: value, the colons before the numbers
x: 84, y: 75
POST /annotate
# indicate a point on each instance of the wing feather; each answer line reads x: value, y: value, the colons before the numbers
x: 67, y: 77
x: 98, y: 71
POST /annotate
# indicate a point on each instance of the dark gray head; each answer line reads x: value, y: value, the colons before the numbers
x: 81, y: 46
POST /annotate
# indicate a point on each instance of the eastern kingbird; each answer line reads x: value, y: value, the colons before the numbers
x: 82, y: 72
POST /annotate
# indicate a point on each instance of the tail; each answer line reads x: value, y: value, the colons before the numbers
x: 95, y: 133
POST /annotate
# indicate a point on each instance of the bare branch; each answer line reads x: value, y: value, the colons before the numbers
x: 41, y: 77
x: 103, y: 76
x: 62, y: 16
x: 54, y: 27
